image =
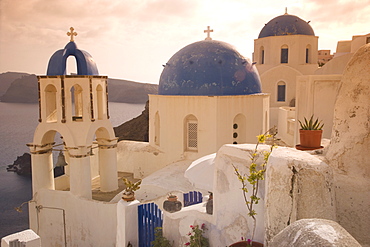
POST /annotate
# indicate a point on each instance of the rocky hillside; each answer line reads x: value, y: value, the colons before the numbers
x: 23, y: 89
x: 137, y: 129
x: 129, y: 91
x: 7, y: 78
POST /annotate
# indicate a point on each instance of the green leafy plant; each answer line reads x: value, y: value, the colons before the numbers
x: 159, y: 239
x: 131, y: 186
x: 311, y: 124
x: 256, y: 173
x: 196, y: 237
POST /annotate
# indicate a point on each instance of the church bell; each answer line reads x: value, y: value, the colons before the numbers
x: 61, y: 160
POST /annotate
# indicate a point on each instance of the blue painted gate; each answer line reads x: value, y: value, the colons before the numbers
x: 193, y: 197
x: 150, y: 217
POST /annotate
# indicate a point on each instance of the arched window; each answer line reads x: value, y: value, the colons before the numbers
x: 191, y: 133
x: 281, y: 91
x: 100, y: 103
x: 262, y: 55
x: 51, y: 103
x: 284, y: 54
x: 77, y: 104
x: 157, y: 126
x: 308, y: 51
x: 239, y: 129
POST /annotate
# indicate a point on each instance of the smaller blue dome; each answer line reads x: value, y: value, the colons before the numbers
x: 210, y: 68
x: 286, y: 25
x: 85, y: 63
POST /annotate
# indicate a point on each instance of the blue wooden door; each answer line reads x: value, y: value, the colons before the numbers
x: 150, y: 217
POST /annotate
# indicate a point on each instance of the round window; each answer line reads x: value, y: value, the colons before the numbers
x: 235, y: 126
x: 235, y: 135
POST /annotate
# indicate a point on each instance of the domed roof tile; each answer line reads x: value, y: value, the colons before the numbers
x: 84, y: 61
x: 209, y: 67
x: 286, y: 25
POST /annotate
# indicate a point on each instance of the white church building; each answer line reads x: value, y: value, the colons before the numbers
x: 286, y: 48
x: 211, y: 103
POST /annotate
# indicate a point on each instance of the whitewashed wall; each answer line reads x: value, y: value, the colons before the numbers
x: 88, y: 222
x: 298, y: 185
x: 349, y: 150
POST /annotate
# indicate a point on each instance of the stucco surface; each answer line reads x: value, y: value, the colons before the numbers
x: 349, y: 150
x: 314, y: 232
x: 298, y: 185
x: 28, y: 237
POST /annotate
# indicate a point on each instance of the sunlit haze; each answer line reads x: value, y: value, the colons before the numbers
x: 133, y: 39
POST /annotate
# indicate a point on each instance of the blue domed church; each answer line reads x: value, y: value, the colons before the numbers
x: 286, y: 47
x: 209, y: 95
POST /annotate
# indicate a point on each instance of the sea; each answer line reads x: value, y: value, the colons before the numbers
x: 17, y: 125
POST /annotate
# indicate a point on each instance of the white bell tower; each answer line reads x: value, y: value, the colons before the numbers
x: 76, y: 107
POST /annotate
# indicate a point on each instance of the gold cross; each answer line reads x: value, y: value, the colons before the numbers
x: 208, y: 31
x: 72, y: 33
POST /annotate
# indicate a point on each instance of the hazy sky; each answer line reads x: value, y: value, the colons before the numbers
x: 131, y: 39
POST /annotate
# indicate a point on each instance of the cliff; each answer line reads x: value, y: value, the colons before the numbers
x: 7, y: 78
x: 136, y: 129
x: 24, y: 89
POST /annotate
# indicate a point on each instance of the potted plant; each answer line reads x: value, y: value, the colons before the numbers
x: 172, y: 204
x: 129, y: 193
x: 196, y: 238
x: 159, y: 239
x: 246, y: 243
x: 257, y: 171
x: 310, y: 134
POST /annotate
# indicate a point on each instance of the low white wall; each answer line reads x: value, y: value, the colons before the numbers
x: 139, y: 158
x: 127, y: 223
x: 298, y: 185
x: 27, y: 237
x: 286, y: 125
x: 87, y: 222
x: 229, y: 209
x: 176, y: 226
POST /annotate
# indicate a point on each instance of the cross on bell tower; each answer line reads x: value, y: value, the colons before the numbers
x: 72, y: 33
x: 208, y: 31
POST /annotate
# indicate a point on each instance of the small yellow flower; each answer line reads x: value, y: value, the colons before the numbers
x: 261, y: 138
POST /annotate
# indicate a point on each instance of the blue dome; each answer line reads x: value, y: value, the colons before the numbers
x: 286, y: 25
x: 84, y: 61
x: 209, y: 67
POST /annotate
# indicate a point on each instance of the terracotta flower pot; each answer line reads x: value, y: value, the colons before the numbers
x: 172, y: 198
x: 310, y: 139
x: 244, y: 244
x: 128, y: 197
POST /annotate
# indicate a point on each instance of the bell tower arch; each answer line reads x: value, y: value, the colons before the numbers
x: 76, y: 107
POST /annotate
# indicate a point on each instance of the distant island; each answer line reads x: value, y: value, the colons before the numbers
x: 18, y: 87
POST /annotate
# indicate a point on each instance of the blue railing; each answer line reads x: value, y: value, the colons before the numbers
x: 193, y: 197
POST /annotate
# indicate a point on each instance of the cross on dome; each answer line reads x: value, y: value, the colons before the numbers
x: 72, y: 33
x: 208, y: 31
